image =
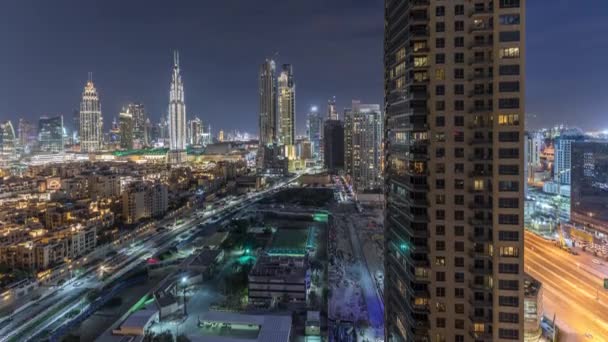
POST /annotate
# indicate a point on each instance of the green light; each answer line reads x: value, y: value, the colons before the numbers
x: 403, y: 247
x: 247, y: 251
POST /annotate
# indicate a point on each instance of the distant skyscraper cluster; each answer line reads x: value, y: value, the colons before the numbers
x: 277, y: 116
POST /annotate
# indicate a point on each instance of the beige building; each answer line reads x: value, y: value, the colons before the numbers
x: 144, y: 200
x: 454, y: 169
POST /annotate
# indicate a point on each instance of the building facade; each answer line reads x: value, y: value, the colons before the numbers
x: 589, y: 190
x: 50, y: 134
x: 177, y: 115
x: 7, y: 140
x: 454, y: 170
x: 563, y: 156
x: 314, y: 130
x: 91, y: 122
x: 140, y: 128
x: 268, y: 103
x: 195, y: 131
x: 363, y: 138
x: 332, y: 110
x: 126, y: 124
x: 333, y: 141
x: 287, y: 106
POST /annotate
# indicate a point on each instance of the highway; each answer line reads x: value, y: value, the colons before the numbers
x: 573, y: 289
x: 34, y: 319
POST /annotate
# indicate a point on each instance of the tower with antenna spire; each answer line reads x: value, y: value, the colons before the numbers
x: 177, y: 115
x: 91, y: 121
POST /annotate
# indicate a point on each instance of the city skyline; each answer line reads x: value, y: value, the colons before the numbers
x: 212, y: 65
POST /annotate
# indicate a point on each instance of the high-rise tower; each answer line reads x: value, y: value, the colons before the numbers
x: 91, y: 122
x: 177, y: 116
x: 332, y: 111
x: 127, y: 129
x: 363, y: 145
x: 268, y: 103
x: 454, y: 129
x: 138, y: 113
x: 287, y: 106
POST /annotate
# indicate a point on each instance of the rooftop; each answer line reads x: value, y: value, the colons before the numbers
x: 269, y: 328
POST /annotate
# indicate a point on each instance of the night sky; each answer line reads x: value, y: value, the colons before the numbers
x: 335, y: 46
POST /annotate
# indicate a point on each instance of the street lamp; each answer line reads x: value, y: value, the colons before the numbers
x: 184, y: 281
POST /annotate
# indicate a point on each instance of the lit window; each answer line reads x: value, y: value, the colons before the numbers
x: 440, y: 74
x: 421, y: 61
x: 478, y: 184
x: 400, y: 54
x: 510, y: 52
x: 508, y: 119
x: 509, y: 251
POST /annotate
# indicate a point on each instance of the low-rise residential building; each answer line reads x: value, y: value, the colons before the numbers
x: 144, y: 200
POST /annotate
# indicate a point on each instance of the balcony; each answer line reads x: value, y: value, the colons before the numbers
x: 477, y: 93
x: 480, y: 110
x: 480, y: 206
x: 418, y: 19
x: 484, y: 335
x: 480, y: 238
x: 481, y: 28
x: 479, y: 222
x: 480, y: 141
x: 479, y: 254
x: 480, y: 158
x: 486, y: 318
x: 480, y: 271
x: 480, y: 287
x: 481, y: 45
x: 486, y: 302
x: 480, y: 77
x: 480, y: 173
x: 475, y: 61
x: 419, y: 3
x: 481, y: 12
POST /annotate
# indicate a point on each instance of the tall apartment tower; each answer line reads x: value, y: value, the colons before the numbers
x: 363, y: 145
x: 50, y: 134
x: 91, y: 122
x: 138, y: 112
x: 287, y: 106
x: 268, y: 103
x: 454, y: 142
x: 332, y: 111
x: 177, y: 116
x: 314, y: 131
x: 127, y: 128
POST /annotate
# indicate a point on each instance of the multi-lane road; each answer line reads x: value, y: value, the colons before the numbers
x: 35, y: 318
x: 573, y: 289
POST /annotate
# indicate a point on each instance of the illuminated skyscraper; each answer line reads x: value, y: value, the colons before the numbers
x: 50, y: 134
x: 91, y: 121
x: 287, y: 106
x: 363, y: 145
x: 332, y: 111
x: 177, y: 115
x: 268, y: 103
x: 27, y: 134
x: 195, y: 131
x: 454, y: 177
x: 314, y: 130
x: 127, y: 129
x: 138, y: 113
x: 7, y: 141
